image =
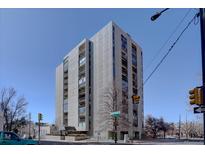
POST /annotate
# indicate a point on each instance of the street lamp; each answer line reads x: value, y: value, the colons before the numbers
x: 154, y: 17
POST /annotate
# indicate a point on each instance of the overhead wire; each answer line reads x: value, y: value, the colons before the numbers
x: 170, y: 49
x: 168, y: 39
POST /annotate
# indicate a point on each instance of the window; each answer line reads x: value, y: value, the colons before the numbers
x: 124, y: 71
x: 124, y: 62
x: 82, y: 61
x: 135, y: 91
x: 134, y: 62
x: 82, y: 110
x: 124, y: 78
x: 65, y: 67
x: 124, y: 86
x: 82, y: 124
x: 65, y: 106
x: 82, y: 80
x: 124, y: 43
x: 134, y: 77
x: 82, y: 96
x: 82, y: 90
x: 10, y: 136
x: 82, y: 69
x: 135, y: 107
x: 134, y: 69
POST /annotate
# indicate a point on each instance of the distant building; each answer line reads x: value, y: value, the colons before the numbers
x: 111, y: 57
x: 45, y: 129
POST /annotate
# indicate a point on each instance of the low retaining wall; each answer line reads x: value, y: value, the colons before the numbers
x: 55, y: 138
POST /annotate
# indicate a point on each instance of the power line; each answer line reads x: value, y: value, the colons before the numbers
x: 170, y: 49
x: 170, y: 36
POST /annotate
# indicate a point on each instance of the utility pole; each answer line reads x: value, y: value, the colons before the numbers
x: 40, y: 117
x: 115, y: 125
x: 39, y: 129
x: 179, y: 127
x: 29, y: 126
x: 202, y: 25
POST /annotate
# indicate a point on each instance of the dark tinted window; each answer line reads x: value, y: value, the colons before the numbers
x: 10, y: 136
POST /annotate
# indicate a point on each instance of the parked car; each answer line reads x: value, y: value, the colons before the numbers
x: 11, y: 138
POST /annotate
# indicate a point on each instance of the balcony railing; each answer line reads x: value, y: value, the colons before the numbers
x: 82, y: 61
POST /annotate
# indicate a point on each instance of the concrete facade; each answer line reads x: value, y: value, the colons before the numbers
x: 59, y: 96
x: 108, y: 60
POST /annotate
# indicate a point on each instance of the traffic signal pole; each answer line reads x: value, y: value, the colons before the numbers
x: 202, y: 25
x: 40, y: 117
x: 39, y: 130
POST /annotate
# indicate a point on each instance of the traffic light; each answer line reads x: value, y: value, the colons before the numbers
x: 40, y: 116
x: 196, y: 96
x: 136, y: 99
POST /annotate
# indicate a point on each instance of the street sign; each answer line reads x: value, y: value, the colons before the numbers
x: 115, y: 114
x: 200, y: 109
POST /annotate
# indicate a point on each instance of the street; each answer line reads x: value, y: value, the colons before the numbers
x: 135, y: 142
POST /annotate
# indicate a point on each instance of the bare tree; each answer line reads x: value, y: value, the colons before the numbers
x: 151, y: 126
x: 192, y: 129
x: 111, y: 104
x: 163, y: 126
x: 154, y: 127
x: 172, y: 128
x: 13, y: 108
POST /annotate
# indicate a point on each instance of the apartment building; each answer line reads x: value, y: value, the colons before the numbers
x: 109, y: 61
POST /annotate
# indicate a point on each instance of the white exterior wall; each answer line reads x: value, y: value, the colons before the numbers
x: 59, y: 96
x: 73, y: 88
x: 103, y: 72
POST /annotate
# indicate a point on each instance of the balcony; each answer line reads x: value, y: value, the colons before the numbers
x: 65, y: 81
x: 81, y: 90
x: 135, y: 110
x: 135, y: 123
x: 124, y: 55
x: 82, y: 70
x: 82, y: 49
x: 124, y: 63
x: 81, y: 99
x: 81, y: 85
x: 124, y: 71
x: 82, y: 80
x: 124, y: 78
x: 82, y: 61
x: 82, y: 111
x: 82, y: 125
x: 134, y: 69
x: 65, y: 87
x: 135, y: 91
x: 81, y: 103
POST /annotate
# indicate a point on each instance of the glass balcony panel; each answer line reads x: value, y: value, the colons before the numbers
x: 82, y: 61
x: 82, y: 111
x: 82, y: 125
x: 82, y: 80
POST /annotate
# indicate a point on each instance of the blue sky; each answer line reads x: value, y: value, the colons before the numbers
x: 34, y: 41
